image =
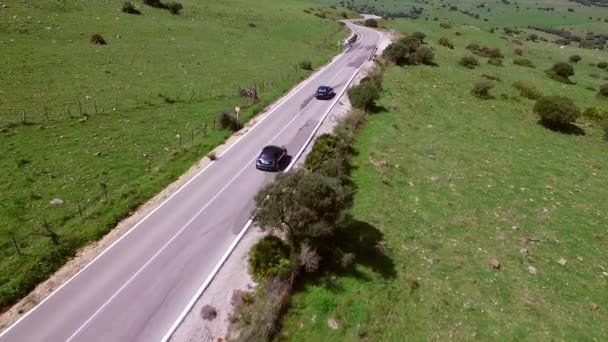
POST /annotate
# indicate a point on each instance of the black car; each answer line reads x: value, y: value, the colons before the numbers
x: 271, y: 157
x: 325, y: 93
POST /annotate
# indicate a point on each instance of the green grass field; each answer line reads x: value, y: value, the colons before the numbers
x: 149, y: 98
x: 453, y: 182
x: 497, y: 13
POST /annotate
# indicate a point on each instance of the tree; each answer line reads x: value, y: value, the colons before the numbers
x: 575, y: 58
x: 556, y: 110
x: 305, y: 207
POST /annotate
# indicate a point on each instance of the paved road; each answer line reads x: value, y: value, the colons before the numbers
x: 136, y: 289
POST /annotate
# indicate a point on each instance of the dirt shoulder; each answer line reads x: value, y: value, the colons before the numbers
x: 234, y: 274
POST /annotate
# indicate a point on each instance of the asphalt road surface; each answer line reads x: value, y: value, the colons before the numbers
x: 136, y: 289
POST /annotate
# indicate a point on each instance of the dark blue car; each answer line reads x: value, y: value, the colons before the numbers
x: 325, y: 93
x: 270, y: 158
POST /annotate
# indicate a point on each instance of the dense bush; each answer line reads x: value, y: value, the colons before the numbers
x: 561, y: 72
x: 574, y: 58
x: 98, y: 39
x: 446, y: 42
x: 306, y: 65
x: 603, y: 92
x: 469, y: 62
x: 129, y: 8
x: 155, y: 3
x: 482, y: 89
x: 495, y: 61
x: 556, y: 110
x: 602, y: 65
x: 524, y: 62
x: 228, y: 120
x: 371, y: 23
x: 518, y: 51
x: 533, y: 37
x: 445, y: 26
x: 325, y: 147
x: 409, y: 51
x: 527, y: 90
x: 364, y: 95
x: 268, y: 257
x: 419, y: 36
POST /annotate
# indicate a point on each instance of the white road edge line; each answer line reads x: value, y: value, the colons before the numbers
x: 249, y: 223
x: 272, y: 110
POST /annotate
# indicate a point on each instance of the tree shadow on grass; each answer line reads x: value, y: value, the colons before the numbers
x: 361, y: 241
x: 565, y: 128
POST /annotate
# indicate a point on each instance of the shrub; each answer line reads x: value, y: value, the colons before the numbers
x: 155, y: 3
x: 563, y: 69
x: 533, y: 37
x: 491, y: 77
x: 469, y: 62
x: 229, y: 120
x: 268, y: 257
x: 129, y: 8
x: 175, y: 8
x: 446, y: 42
x: 605, y: 128
x: 556, y: 110
x: 603, y: 92
x: 344, y: 15
x: 324, y: 148
x: 495, y: 61
x: 98, y: 39
x: 602, y: 65
x: 594, y: 75
x: 364, y: 95
x: 485, y: 51
x: 561, y: 72
x: 527, y: 90
x: 252, y: 25
x: 457, y: 34
x: 371, y: 23
x: 408, y: 51
x: 482, y: 89
x: 524, y: 62
x: 419, y: 35
x: 574, y: 58
x: 518, y: 51
x: 423, y: 55
x: 306, y: 65
x: 595, y: 114
x: 445, y: 26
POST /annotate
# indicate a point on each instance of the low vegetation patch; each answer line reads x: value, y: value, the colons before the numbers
x: 482, y: 89
x: 485, y: 51
x: 524, y: 62
x: 495, y: 61
x: 305, y: 64
x: 98, y: 39
x: 527, y: 90
x: 269, y: 257
x: 446, y: 42
x: 326, y: 147
x: 469, y: 62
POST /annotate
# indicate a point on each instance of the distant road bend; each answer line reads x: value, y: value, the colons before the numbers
x: 137, y: 288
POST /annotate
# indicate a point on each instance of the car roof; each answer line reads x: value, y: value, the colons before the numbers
x: 324, y: 87
x: 271, y: 149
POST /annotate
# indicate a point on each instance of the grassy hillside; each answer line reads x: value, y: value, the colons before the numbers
x: 455, y: 183
x: 491, y: 13
x: 105, y: 127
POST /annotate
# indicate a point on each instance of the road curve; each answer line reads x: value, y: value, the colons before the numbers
x: 138, y: 287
